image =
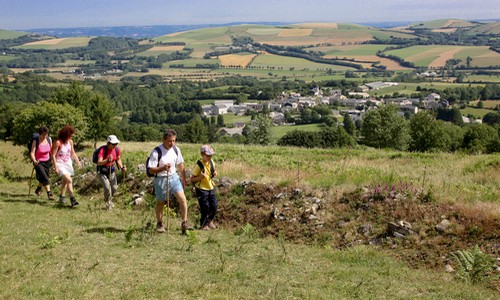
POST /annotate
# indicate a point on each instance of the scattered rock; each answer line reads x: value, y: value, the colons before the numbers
x: 443, y: 226
x: 449, y: 269
x: 365, y: 230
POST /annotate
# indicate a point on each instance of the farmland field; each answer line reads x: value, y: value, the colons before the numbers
x: 240, y: 59
x: 10, y: 34
x: 157, y: 50
x: 426, y: 55
x: 60, y: 43
x: 275, y: 61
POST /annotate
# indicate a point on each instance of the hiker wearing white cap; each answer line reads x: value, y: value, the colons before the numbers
x: 107, y: 155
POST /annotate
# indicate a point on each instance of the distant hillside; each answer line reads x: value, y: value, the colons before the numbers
x: 125, y: 31
x: 286, y: 35
x: 10, y: 34
x: 441, y: 24
x: 489, y: 28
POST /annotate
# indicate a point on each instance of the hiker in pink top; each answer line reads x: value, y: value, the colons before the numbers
x: 42, y: 160
x: 62, y: 152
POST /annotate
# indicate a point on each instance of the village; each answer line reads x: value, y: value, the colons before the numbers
x: 355, y: 104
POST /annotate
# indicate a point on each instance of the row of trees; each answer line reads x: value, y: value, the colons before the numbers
x: 383, y: 128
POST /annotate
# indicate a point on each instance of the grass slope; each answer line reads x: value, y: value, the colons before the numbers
x: 50, y: 251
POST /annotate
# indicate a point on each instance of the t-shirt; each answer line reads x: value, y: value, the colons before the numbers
x: 42, y: 153
x: 206, y: 183
x: 114, y: 153
x: 167, y: 157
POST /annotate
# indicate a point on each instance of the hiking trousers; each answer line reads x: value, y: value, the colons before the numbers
x: 208, y: 205
x: 110, y: 185
x: 42, y: 172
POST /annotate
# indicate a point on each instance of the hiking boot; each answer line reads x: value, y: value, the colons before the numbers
x: 159, y: 227
x: 73, y: 202
x: 62, y: 200
x: 38, y: 191
x: 109, y: 205
x: 211, y: 225
x: 185, y: 227
x: 50, y: 195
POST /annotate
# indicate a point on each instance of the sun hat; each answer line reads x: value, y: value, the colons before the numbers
x: 207, y: 150
x: 112, y: 139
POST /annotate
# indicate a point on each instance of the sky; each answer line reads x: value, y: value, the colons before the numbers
x: 31, y: 14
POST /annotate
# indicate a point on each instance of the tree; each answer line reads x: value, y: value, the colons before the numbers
x: 300, y: 138
x: 53, y: 115
x: 383, y: 128
x: 195, y: 131
x: 220, y: 120
x: 261, y: 134
x: 492, y: 118
x: 479, y: 138
x: 424, y: 132
x: 100, y: 116
x: 335, y: 137
x: 349, y: 126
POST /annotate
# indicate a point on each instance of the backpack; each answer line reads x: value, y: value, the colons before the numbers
x: 202, y: 167
x: 36, y: 138
x: 158, y: 150
x: 95, y: 155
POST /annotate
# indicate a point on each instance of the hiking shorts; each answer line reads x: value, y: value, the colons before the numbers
x: 174, y: 186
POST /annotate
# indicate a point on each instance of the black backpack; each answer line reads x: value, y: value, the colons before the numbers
x: 36, y: 138
x: 158, y: 150
x: 202, y: 167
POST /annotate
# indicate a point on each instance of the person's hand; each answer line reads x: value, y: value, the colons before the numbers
x: 167, y: 167
x: 124, y: 169
x: 35, y: 163
x: 57, y: 170
x: 110, y: 159
x: 215, y: 173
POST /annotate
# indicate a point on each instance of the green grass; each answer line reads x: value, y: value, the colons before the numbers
x: 476, y: 112
x: 10, y: 34
x: 279, y: 131
x: 270, y: 60
x: 55, y: 252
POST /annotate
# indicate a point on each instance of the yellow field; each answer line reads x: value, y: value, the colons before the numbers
x: 295, y: 32
x: 317, y: 25
x: 47, y: 42
x: 236, y: 60
x: 167, y: 48
x: 443, y: 57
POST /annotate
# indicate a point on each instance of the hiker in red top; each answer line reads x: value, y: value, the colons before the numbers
x: 42, y: 160
x: 106, y: 158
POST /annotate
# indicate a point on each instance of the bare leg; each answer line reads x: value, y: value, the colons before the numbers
x: 181, y: 199
x: 159, y: 211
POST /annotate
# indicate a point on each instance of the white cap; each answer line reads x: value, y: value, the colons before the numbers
x: 112, y: 139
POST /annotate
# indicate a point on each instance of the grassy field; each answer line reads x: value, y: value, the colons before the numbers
x: 10, y: 34
x: 60, y: 43
x: 425, y: 55
x: 51, y: 251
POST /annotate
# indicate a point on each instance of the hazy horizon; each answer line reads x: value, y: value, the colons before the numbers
x: 30, y: 14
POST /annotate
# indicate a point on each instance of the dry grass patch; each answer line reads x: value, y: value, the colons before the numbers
x: 443, y: 57
x: 236, y: 60
x: 295, y: 32
x: 317, y: 25
x: 167, y: 48
x: 445, y: 30
x: 47, y: 42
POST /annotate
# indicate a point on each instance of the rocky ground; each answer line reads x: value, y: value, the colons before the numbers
x: 401, y: 219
